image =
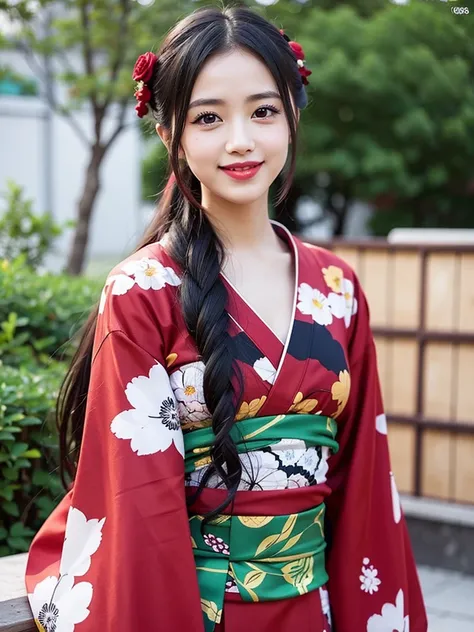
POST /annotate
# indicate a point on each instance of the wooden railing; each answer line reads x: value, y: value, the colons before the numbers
x: 422, y: 313
x: 15, y: 613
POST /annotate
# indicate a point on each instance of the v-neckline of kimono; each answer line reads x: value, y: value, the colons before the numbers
x: 285, y: 344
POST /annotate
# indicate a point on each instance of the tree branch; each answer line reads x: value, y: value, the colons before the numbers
x: 120, y: 124
x: 119, y: 56
x: 86, y: 45
x: 49, y: 96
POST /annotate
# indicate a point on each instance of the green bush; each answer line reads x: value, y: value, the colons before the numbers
x: 39, y: 313
x: 29, y: 484
x: 22, y: 231
x: 38, y: 316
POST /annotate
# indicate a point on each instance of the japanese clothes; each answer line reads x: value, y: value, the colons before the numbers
x: 315, y: 540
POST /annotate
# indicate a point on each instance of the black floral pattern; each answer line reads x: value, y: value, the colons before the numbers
x: 169, y: 415
x: 48, y: 617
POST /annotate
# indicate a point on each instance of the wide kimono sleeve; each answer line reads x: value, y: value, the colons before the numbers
x: 373, y: 582
x: 116, y: 553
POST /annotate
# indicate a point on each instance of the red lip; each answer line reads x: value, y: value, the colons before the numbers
x: 250, y: 163
x: 243, y: 174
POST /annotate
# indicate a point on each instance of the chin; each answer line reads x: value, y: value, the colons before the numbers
x: 248, y: 196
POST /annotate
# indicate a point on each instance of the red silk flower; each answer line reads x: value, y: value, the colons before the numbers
x: 299, y: 54
x: 304, y: 72
x: 143, y: 68
x: 142, y: 72
x: 143, y: 94
x: 297, y: 49
x: 141, y: 109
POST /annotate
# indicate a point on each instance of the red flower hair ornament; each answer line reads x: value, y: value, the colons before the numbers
x: 142, y: 72
x: 300, y: 60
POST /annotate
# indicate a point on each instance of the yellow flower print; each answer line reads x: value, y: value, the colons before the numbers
x: 194, y: 425
x: 303, y: 406
x: 333, y: 277
x: 340, y: 391
x: 171, y: 358
x: 250, y: 409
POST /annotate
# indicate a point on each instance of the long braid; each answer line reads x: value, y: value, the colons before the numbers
x: 196, y: 247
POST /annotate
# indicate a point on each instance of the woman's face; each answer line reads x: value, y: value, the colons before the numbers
x: 240, y: 127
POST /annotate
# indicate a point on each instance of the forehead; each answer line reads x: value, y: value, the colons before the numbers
x: 233, y: 76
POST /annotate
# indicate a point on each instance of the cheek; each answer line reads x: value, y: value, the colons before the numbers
x: 276, y: 142
x: 201, y: 148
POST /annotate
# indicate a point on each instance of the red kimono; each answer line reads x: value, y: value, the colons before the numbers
x: 116, y: 554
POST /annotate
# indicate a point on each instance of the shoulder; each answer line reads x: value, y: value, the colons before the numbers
x: 332, y: 266
x: 139, y: 296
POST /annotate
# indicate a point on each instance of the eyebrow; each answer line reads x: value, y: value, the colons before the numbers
x: 270, y: 94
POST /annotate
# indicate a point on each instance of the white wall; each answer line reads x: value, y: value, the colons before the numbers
x: 24, y: 157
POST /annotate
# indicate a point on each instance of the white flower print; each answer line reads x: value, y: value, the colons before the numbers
x: 187, y: 385
x: 315, y: 462
x: 325, y: 606
x: 121, y: 283
x: 381, y: 424
x: 153, y: 423
x: 397, y: 508
x: 151, y: 274
x: 289, y: 450
x: 369, y: 581
x: 260, y: 472
x: 265, y: 369
x: 230, y: 585
x: 57, y: 604
x: 146, y: 273
x: 297, y: 480
x: 217, y: 544
x: 82, y: 539
x: 391, y: 618
x: 343, y: 305
x: 312, y: 301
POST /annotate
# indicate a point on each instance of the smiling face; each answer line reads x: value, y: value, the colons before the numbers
x: 235, y: 115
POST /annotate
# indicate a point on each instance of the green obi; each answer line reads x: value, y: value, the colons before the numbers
x: 269, y: 557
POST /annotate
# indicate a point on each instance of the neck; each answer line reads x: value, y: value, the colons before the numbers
x: 245, y: 230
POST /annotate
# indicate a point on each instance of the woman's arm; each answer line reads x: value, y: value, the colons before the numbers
x: 116, y: 553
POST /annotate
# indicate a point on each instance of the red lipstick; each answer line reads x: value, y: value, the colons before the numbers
x: 242, y: 170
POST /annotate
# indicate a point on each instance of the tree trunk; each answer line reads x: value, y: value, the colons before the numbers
x: 85, y: 209
x: 340, y: 222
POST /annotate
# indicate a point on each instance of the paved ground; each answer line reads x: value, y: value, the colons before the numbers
x: 449, y: 600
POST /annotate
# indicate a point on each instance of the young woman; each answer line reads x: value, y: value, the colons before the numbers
x: 234, y: 471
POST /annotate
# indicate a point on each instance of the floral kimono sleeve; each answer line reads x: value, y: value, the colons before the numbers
x: 373, y: 582
x: 116, y: 553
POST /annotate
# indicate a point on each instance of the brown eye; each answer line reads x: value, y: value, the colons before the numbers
x: 208, y: 119
x: 203, y: 119
x: 273, y: 111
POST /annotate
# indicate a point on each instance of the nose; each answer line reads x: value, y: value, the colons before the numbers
x: 240, y: 139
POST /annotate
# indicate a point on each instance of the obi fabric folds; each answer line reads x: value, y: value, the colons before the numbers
x: 270, y: 556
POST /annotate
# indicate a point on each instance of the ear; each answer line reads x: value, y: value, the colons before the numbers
x: 165, y: 135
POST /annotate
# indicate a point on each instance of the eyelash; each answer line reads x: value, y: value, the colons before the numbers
x: 272, y: 108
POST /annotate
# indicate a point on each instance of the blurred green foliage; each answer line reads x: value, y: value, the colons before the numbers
x: 391, y: 113
x: 24, y: 232
x: 38, y: 315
